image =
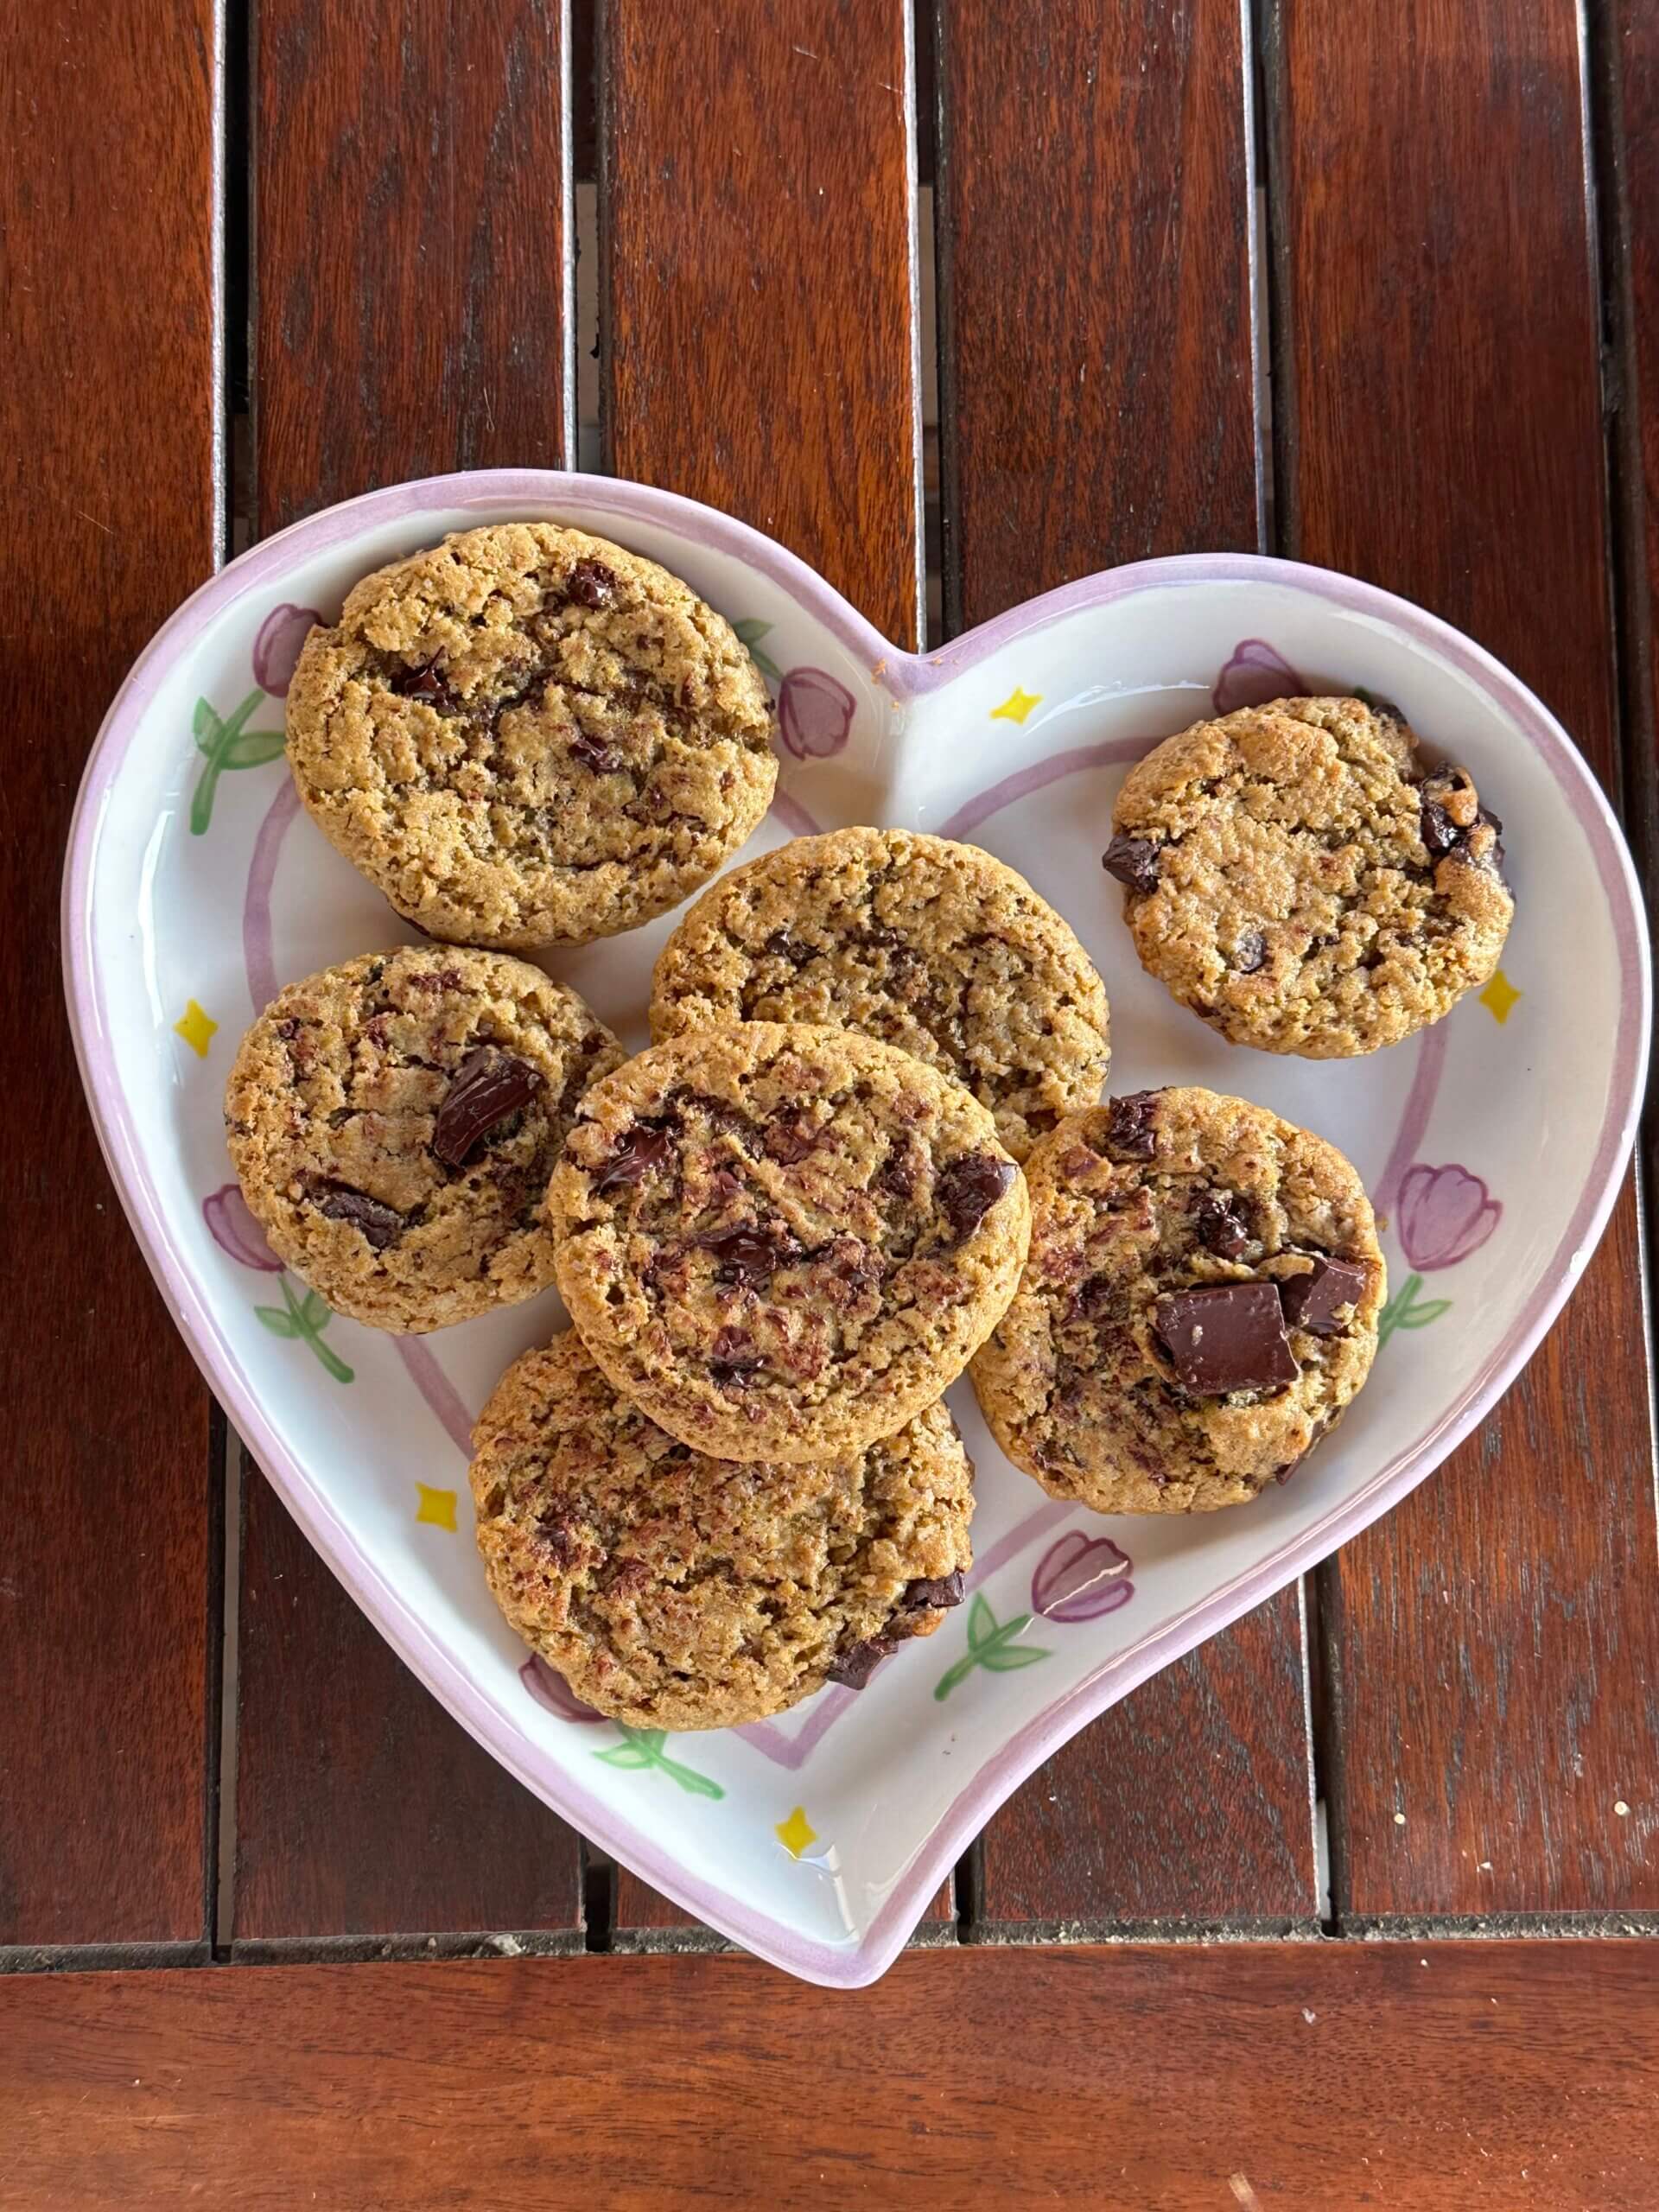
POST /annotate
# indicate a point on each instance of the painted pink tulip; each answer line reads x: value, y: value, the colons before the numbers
x: 233, y: 1229
x: 1254, y: 675
x: 1443, y: 1214
x: 1081, y: 1578
x: 815, y: 713
x: 276, y: 648
x: 551, y: 1690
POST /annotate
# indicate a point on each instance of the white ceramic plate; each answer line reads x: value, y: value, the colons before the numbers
x: 1492, y: 1144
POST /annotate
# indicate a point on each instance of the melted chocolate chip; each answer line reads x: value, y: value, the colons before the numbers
x: 643, y: 1151
x: 733, y: 1358
x: 590, y: 584
x: 1134, y: 861
x: 1094, y: 1299
x: 1249, y: 954
x: 379, y: 1225
x: 928, y: 1596
x: 1131, y: 1128
x: 896, y: 1176
x: 789, y: 1139
x: 749, y: 1257
x: 1312, y: 1301
x: 1439, y: 832
x: 600, y: 759
x: 426, y: 684
x: 1222, y: 1229
x: 1076, y: 1161
x: 1230, y: 1336
x: 852, y: 1668
x: 969, y: 1187
x: 781, y: 946
x: 484, y: 1091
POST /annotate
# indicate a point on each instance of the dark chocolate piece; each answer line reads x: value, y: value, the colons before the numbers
x: 593, y: 755
x: 1223, y: 1228
x: 789, y: 1139
x: 928, y: 1596
x: 969, y: 1187
x: 853, y: 1668
x: 591, y: 584
x: 426, y: 684
x: 1131, y: 1129
x: 749, y: 1256
x: 733, y: 1358
x: 1227, y: 1337
x: 644, y: 1151
x: 1134, y: 861
x: 379, y: 1225
x: 484, y: 1091
x: 1311, y: 1301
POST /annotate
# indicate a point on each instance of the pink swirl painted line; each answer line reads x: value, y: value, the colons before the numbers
x: 1114, y: 753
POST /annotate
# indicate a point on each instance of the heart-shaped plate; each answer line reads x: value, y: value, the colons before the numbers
x: 1492, y: 1144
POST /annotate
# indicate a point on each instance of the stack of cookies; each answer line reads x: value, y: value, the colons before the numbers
x: 866, y: 1149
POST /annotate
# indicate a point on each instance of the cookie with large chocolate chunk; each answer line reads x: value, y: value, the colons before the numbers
x: 1200, y: 1307
x: 526, y: 736
x: 675, y: 1590
x: 393, y: 1122
x: 1302, y: 880
x: 931, y: 945
x: 784, y: 1301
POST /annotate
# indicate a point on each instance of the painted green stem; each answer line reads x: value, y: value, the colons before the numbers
x: 1406, y: 1311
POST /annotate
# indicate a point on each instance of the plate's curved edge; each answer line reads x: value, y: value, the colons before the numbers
x: 856, y: 1964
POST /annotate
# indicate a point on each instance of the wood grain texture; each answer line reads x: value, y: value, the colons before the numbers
x: 108, y: 408
x: 756, y: 310
x: 411, y: 289
x: 1629, y: 101
x: 411, y: 293
x: 1321, y: 2075
x: 755, y: 289
x: 1494, y: 1642
x: 1098, y: 407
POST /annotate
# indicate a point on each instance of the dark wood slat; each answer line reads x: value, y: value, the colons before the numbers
x: 755, y: 311
x: 1630, y: 180
x: 108, y: 413
x: 1099, y: 407
x: 1327, y: 2075
x: 410, y: 293
x: 1494, y: 1643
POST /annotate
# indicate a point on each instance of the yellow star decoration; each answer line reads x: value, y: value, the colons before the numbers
x: 1499, y: 996
x: 1016, y: 706
x: 198, y: 1029
x: 437, y: 1506
x: 794, y: 1834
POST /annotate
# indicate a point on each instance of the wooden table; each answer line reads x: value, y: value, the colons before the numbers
x: 1375, y: 287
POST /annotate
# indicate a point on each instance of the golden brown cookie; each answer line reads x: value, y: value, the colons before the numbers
x: 1200, y: 1307
x: 393, y: 1122
x: 783, y: 1241
x: 931, y: 945
x: 1301, y: 880
x: 527, y: 736
x: 672, y: 1591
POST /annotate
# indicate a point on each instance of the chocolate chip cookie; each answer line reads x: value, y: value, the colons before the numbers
x: 1200, y: 1308
x: 1299, y: 878
x: 394, y: 1120
x: 673, y: 1590
x: 929, y: 945
x: 783, y: 1240
x: 527, y: 736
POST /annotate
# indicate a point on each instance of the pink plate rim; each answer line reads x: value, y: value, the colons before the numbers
x: 904, y: 676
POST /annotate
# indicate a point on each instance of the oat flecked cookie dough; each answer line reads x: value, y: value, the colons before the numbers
x: 393, y: 1122
x: 1301, y: 880
x: 1200, y: 1308
x: 781, y: 1241
x: 931, y: 945
x: 673, y: 1590
x: 527, y: 736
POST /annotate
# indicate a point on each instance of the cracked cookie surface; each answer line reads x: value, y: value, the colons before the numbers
x: 527, y: 736
x: 933, y: 946
x: 674, y: 1590
x: 1300, y: 879
x: 783, y: 1240
x: 393, y: 1122
x: 1200, y: 1307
